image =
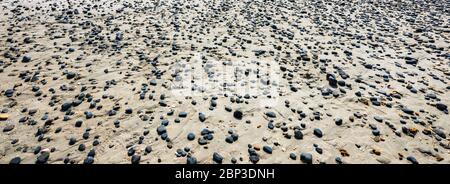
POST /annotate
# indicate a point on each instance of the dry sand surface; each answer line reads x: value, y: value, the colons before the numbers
x: 224, y: 81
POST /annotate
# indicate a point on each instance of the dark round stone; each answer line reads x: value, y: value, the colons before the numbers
x: 319, y: 150
x: 238, y: 114
x: 306, y: 158
x: 267, y: 149
x: 233, y: 160
x: 209, y: 136
x: 293, y: 156
x: 81, y: 147
x: 91, y: 153
x: 66, y: 106
x: 148, y: 149
x: 9, y: 92
x: 72, y: 141
x: 96, y: 142
x: 229, y: 139
x: 202, y: 141
x: 191, y: 160
x: 412, y: 160
x: 191, y: 136
x: 131, y: 151
x: 135, y: 159
x: 271, y: 114
x: 86, y: 135
x: 338, y: 121
x: 376, y: 132
x: 298, y: 134
x: 88, y: 114
x: 161, y: 129
x: 88, y: 160
x: 217, y: 157
x: 201, y: 117
x: 317, y: 132
x: 182, y: 114
x: 78, y: 123
x: 441, y: 106
x: 26, y: 59
x: 70, y: 75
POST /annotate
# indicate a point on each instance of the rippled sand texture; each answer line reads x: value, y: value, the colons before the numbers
x: 99, y: 81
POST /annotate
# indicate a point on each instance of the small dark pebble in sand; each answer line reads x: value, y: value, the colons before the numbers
x: 201, y: 117
x: 238, y: 114
x: 217, y: 157
x: 191, y: 160
x: 271, y: 114
x: 229, y: 139
x: 267, y: 149
x: 88, y: 160
x: 306, y: 158
x: 298, y: 134
x: 338, y: 121
x: 412, y: 160
x: 318, y: 132
x: 191, y: 136
x: 148, y: 149
x: 254, y: 158
x: 182, y: 115
x: 161, y: 130
x: 135, y: 159
x: 42, y: 158
x: 8, y: 128
x: 293, y: 156
x: 72, y: 141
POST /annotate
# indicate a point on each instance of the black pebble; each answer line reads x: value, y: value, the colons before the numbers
x: 306, y: 158
x: 238, y: 114
x: 318, y: 132
x: 88, y: 160
x: 267, y: 149
x: 148, y: 149
x: 135, y: 159
x: 217, y: 157
x: 191, y: 136
x: 293, y: 156
x: 15, y: 160
x: 43, y: 158
x: 191, y: 160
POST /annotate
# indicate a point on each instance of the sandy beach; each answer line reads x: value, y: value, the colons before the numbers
x: 224, y: 81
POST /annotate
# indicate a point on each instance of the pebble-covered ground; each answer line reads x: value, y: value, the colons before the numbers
x: 308, y: 81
